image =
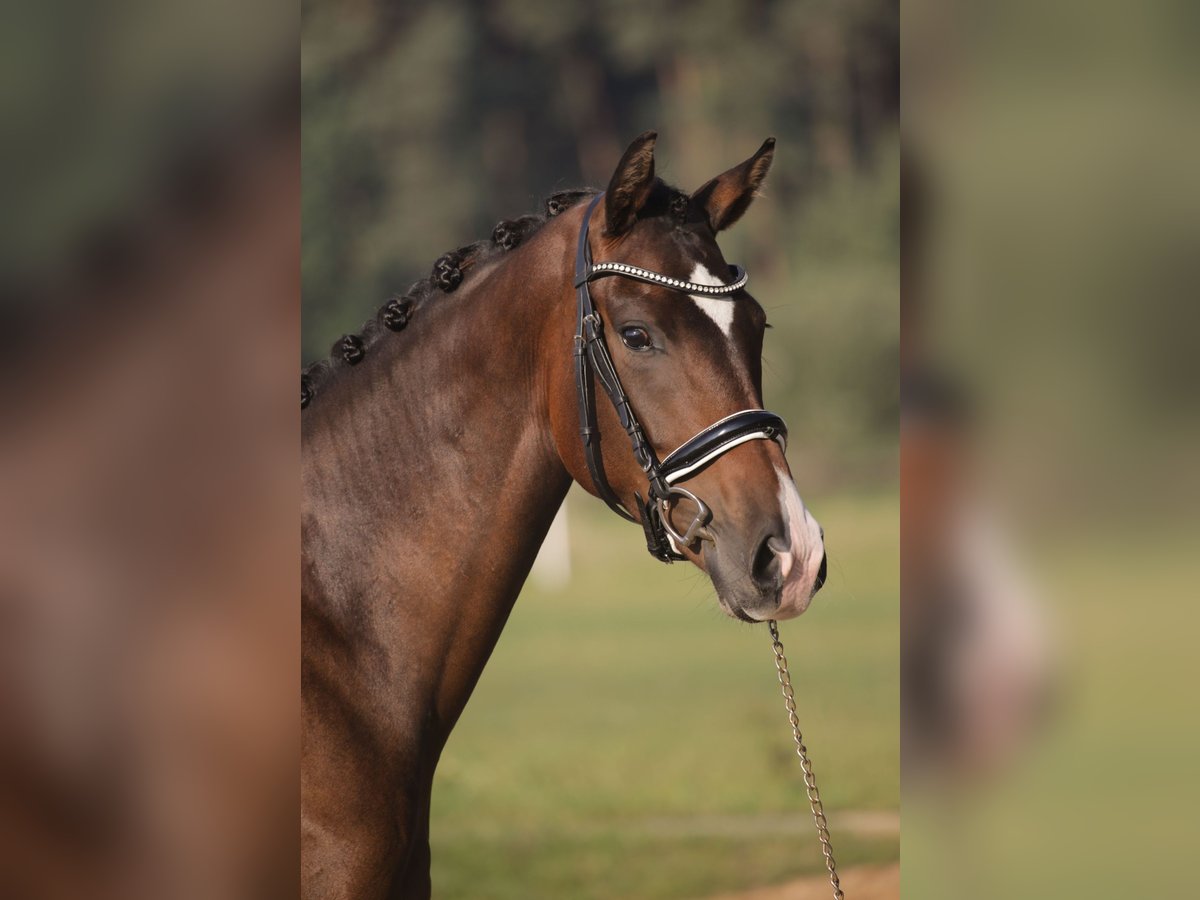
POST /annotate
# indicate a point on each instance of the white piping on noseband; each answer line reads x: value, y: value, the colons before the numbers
x: 719, y: 450
x: 723, y: 449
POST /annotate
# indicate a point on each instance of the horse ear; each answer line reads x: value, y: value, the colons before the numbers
x: 630, y: 185
x: 727, y: 196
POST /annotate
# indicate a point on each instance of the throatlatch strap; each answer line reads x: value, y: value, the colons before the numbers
x: 586, y: 332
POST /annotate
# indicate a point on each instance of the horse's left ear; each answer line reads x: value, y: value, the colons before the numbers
x: 630, y: 185
x: 727, y: 196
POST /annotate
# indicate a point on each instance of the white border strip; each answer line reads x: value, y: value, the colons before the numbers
x: 719, y: 451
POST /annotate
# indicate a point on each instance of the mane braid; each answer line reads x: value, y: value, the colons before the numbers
x: 448, y: 273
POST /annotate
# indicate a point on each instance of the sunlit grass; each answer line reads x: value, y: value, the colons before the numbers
x: 627, y: 739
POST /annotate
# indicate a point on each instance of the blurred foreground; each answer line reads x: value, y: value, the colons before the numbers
x: 1052, y: 232
x: 148, y: 455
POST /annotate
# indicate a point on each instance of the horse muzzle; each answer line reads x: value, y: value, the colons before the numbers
x: 775, y: 573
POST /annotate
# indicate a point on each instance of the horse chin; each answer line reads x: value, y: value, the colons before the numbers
x: 736, y: 612
x: 788, y: 602
x: 759, y: 611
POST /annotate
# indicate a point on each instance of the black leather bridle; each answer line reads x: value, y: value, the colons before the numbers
x: 593, y: 361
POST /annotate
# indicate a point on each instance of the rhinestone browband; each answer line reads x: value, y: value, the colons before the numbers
x: 677, y: 284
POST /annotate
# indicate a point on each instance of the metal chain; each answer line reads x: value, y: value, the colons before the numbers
x: 810, y: 780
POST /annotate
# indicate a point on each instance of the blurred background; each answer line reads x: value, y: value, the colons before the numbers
x: 626, y: 739
x: 1049, y: 439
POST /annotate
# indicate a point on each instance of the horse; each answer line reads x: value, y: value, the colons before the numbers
x: 438, y: 444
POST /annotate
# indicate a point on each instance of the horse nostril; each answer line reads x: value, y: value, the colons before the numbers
x: 821, y: 573
x: 765, y: 568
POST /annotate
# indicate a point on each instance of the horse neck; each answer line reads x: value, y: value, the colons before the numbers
x: 431, y: 481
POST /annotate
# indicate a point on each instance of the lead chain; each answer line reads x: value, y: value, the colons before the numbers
x: 810, y: 780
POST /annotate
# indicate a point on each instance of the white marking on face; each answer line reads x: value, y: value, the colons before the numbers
x: 801, y: 562
x: 719, y: 309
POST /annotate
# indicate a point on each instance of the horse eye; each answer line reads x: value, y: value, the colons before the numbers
x: 636, y: 338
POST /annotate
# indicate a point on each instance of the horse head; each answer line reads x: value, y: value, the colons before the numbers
x: 668, y: 331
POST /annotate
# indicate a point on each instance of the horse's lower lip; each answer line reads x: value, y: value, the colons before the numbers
x: 747, y: 617
x: 742, y: 614
x: 738, y: 613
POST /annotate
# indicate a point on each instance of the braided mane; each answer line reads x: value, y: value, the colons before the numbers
x: 448, y: 273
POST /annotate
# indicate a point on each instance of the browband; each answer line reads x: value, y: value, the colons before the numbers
x: 601, y: 270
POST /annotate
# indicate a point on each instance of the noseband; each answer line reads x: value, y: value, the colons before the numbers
x: 594, y: 362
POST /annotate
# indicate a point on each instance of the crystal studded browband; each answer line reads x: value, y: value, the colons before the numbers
x: 599, y: 270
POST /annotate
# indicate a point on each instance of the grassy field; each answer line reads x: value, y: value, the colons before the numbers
x: 627, y: 740
x: 1101, y: 801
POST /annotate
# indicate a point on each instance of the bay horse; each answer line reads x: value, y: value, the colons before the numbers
x: 434, y: 460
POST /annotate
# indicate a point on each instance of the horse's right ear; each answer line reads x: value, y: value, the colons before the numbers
x: 727, y: 196
x: 630, y: 185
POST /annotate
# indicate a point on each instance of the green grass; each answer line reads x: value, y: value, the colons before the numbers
x: 1101, y: 801
x: 628, y: 740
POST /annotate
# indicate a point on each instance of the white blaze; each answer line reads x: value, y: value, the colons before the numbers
x: 801, y: 561
x: 719, y: 309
